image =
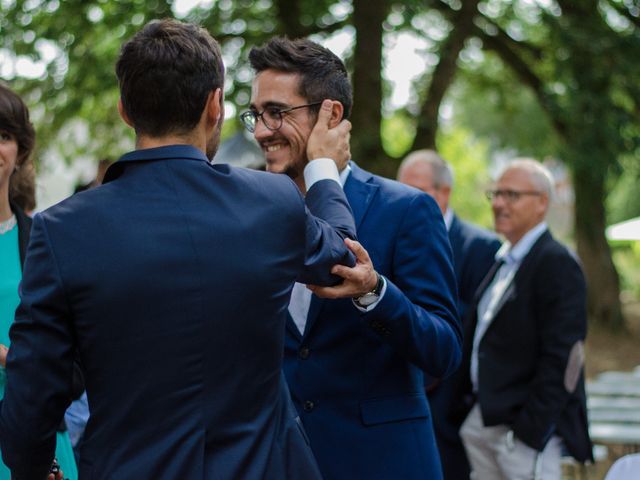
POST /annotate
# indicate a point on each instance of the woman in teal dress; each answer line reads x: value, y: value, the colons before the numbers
x: 17, y: 139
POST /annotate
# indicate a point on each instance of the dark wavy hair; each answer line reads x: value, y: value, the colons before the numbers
x: 323, y: 74
x: 166, y: 72
x: 14, y: 119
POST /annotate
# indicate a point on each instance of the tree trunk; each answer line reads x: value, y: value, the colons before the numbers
x: 289, y: 16
x: 366, y: 144
x: 593, y: 249
x: 443, y: 76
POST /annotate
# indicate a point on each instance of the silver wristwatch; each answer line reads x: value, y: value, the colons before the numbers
x: 363, y: 301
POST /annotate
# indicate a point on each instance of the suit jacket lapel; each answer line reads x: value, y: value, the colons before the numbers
x: 508, y: 293
x: 524, y: 269
x: 359, y: 192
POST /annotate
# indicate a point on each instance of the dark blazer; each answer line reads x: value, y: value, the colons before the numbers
x: 529, y: 353
x: 474, y: 250
x: 173, y: 279
x: 357, y: 379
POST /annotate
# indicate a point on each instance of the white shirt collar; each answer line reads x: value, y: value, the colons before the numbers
x: 448, y: 218
x: 515, y: 253
x: 344, y: 174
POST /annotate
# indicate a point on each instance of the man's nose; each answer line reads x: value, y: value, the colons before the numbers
x: 497, y: 202
x: 260, y: 131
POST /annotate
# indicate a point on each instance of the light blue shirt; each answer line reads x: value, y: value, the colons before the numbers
x: 512, y: 256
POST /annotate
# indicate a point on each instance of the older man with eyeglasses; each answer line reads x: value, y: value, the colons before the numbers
x: 522, y: 377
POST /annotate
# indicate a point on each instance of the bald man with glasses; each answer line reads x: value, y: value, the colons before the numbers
x: 522, y: 377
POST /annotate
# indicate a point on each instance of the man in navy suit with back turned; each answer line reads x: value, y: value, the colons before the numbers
x: 355, y: 368
x: 172, y: 280
x: 473, y: 254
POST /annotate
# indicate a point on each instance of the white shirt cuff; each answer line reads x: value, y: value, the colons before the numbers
x: 321, y: 169
x: 368, y: 308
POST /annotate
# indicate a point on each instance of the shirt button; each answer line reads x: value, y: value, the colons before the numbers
x: 303, y: 353
x: 308, y: 406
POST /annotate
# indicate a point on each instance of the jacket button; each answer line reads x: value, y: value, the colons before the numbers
x: 303, y: 353
x: 308, y: 406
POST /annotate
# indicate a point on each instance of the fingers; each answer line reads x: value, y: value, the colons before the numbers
x: 324, y: 116
x: 345, y: 128
x: 329, y: 292
x: 358, y: 250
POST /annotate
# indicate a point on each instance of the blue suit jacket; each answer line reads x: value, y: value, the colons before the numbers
x: 474, y: 251
x: 357, y: 379
x: 173, y: 280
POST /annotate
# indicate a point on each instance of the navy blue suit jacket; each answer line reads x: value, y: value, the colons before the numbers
x: 474, y: 251
x: 173, y: 280
x: 357, y: 379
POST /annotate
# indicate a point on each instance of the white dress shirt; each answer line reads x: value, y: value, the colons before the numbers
x: 511, y: 256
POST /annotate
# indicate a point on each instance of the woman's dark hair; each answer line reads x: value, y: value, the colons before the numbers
x: 14, y: 119
x: 166, y: 72
x: 323, y: 75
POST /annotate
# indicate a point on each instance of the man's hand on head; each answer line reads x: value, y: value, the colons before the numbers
x: 358, y: 280
x: 328, y: 142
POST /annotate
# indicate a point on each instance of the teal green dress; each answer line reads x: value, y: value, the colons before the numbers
x: 9, y: 280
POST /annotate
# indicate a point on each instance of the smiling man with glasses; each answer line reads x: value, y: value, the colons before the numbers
x: 355, y: 367
x: 522, y: 377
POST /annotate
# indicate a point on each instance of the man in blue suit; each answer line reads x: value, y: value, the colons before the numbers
x: 172, y: 280
x: 473, y: 254
x: 356, y: 371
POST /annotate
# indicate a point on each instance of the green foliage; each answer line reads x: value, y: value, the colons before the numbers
x: 398, y: 131
x: 623, y: 202
x: 468, y: 157
x: 626, y: 257
x: 490, y: 102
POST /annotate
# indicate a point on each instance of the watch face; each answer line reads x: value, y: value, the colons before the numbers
x: 367, y: 299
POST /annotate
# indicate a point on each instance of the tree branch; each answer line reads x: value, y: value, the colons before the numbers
x: 443, y: 75
x: 525, y: 74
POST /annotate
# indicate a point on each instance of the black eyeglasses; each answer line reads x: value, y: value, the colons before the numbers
x: 509, y: 195
x: 271, y: 116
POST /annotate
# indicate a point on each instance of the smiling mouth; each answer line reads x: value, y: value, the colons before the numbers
x: 273, y: 148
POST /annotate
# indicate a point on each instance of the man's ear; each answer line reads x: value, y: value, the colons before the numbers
x: 446, y: 192
x: 123, y: 114
x: 337, y: 110
x: 214, y: 106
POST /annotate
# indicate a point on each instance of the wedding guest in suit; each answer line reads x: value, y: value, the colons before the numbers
x: 355, y: 367
x: 172, y: 280
x: 522, y: 371
x: 17, y: 184
x: 473, y: 251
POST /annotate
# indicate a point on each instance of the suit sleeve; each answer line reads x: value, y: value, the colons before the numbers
x: 417, y: 315
x: 329, y: 221
x: 39, y: 364
x: 560, y: 314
